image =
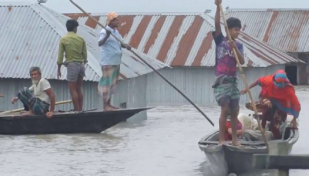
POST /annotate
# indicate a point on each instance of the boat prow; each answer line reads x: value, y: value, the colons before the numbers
x: 67, y: 122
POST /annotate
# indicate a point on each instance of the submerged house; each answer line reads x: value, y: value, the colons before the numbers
x: 184, y: 41
x: 286, y: 29
x: 30, y: 37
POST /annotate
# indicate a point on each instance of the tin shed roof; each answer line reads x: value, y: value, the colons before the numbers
x: 184, y: 39
x: 286, y: 29
x: 30, y: 36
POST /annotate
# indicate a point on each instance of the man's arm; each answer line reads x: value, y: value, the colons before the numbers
x: 60, y: 54
x: 239, y: 51
x: 31, y: 88
x: 46, y: 87
x: 60, y: 58
x: 250, y: 87
x: 123, y: 45
x: 85, y: 52
x: 128, y: 47
x: 51, y: 95
x: 217, y: 34
x: 103, y: 37
x: 217, y: 18
x: 240, y: 54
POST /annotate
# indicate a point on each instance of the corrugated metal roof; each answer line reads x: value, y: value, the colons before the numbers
x: 184, y: 39
x: 131, y: 65
x: 286, y: 29
x: 30, y: 36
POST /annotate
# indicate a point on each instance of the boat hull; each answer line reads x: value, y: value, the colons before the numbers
x: 64, y: 123
x: 226, y: 159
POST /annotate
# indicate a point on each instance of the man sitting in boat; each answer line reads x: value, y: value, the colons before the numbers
x: 228, y: 129
x: 278, y: 99
x: 39, y: 97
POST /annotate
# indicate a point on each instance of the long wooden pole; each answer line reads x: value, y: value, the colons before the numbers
x: 244, y: 78
x: 21, y: 109
x: 147, y: 64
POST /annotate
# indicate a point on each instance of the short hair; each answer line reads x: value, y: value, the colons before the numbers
x: 32, y: 69
x: 233, y: 23
x: 71, y: 24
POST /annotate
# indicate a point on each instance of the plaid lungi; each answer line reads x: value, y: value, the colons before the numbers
x: 38, y: 106
x: 226, y: 91
x: 108, y: 81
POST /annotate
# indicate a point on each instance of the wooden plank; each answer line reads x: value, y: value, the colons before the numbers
x: 282, y: 162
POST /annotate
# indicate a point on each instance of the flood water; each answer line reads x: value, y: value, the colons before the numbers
x: 163, y: 145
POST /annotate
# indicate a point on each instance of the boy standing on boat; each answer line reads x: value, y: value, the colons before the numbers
x: 225, y: 87
x: 39, y: 97
x: 75, y: 51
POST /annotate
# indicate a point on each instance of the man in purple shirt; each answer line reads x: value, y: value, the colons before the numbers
x: 225, y: 87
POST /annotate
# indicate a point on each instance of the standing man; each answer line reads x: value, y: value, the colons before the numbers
x: 111, y: 53
x: 75, y: 51
x: 225, y: 87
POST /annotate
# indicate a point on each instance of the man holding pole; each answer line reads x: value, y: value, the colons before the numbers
x: 111, y: 53
x: 225, y: 87
x: 149, y: 65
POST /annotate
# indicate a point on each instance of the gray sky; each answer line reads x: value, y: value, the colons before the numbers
x: 64, y: 6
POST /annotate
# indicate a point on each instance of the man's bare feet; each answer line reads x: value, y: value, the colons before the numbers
x: 109, y: 108
x: 27, y: 113
x: 237, y: 144
x: 221, y: 142
x: 114, y: 107
x: 108, y: 104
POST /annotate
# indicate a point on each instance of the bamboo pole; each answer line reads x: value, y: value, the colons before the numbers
x: 244, y: 78
x: 146, y: 64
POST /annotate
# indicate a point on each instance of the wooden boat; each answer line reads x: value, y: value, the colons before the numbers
x: 66, y: 122
x: 227, y: 159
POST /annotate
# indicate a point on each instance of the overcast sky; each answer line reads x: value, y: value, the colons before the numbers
x: 64, y: 6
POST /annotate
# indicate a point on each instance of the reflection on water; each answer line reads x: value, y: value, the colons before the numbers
x: 165, y: 144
